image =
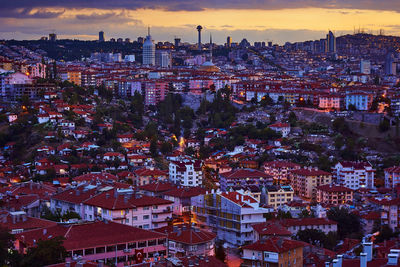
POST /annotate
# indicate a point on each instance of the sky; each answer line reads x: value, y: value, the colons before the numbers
x: 278, y: 21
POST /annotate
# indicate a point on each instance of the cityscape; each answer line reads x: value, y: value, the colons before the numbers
x: 161, y: 147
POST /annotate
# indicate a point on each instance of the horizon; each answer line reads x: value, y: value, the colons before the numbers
x: 268, y: 20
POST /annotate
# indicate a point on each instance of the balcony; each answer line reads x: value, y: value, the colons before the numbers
x: 165, y: 210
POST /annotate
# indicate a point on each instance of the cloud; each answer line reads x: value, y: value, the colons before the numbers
x: 196, y: 5
x: 95, y: 16
x: 30, y: 13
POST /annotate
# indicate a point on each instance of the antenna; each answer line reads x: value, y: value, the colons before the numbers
x: 148, y: 30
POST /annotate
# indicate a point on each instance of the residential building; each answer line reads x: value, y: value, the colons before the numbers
x: 274, y: 252
x: 390, y: 213
x: 392, y: 177
x: 354, y: 175
x: 361, y: 101
x: 128, y: 208
x: 186, y: 172
x: 334, y: 194
x: 277, y: 196
x: 282, y: 128
x: 229, y: 215
x: 280, y: 170
x: 294, y: 225
x: 95, y: 241
x: 185, y: 240
x: 305, y: 181
x: 243, y: 177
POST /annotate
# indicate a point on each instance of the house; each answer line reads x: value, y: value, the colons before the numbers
x: 128, y: 208
x: 185, y: 240
x: 112, y: 156
x: 18, y: 221
x: 282, y: 128
x: 274, y: 252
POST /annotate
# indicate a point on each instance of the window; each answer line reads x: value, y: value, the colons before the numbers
x: 134, y: 218
x: 146, y: 208
x: 146, y: 217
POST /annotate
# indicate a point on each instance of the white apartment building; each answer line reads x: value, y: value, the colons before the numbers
x: 354, y: 175
x: 186, y: 172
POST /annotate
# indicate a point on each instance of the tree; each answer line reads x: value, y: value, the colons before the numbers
x: 385, y: 233
x: 6, y: 243
x: 45, y: 253
x: 317, y: 237
x: 153, y: 147
x: 292, y: 119
x: 220, y: 252
x: 348, y: 223
x: 384, y: 125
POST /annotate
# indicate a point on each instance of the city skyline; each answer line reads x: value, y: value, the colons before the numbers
x: 256, y: 21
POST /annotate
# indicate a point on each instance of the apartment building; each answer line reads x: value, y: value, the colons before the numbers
x: 280, y: 170
x: 277, y: 196
x: 354, y: 175
x: 392, y: 177
x: 274, y: 252
x: 334, y: 194
x: 305, y: 181
x: 186, y: 172
x: 229, y: 215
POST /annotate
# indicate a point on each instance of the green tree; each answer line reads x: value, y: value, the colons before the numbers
x: 220, y: 252
x: 348, y: 223
x: 46, y: 252
x: 153, y: 147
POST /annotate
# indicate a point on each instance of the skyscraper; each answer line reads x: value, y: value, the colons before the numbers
x: 149, y: 51
x: 228, y: 41
x: 177, y: 42
x: 331, y: 40
x: 365, y: 66
x: 163, y: 58
x: 101, y: 36
x: 390, y: 64
x: 199, y: 28
x: 52, y: 37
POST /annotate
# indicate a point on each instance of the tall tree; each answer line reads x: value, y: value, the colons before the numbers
x: 45, y: 253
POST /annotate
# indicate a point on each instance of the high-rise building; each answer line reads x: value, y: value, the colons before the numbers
x: 140, y: 40
x: 390, y: 64
x: 199, y: 28
x: 101, y: 36
x: 52, y: 37
x: 163, y: 58
x: 177, y: 42
x: 228, y: 41
x: 127, y: 40
x: 331, y: 40
x: 365, y: 66
x: 149, y: 51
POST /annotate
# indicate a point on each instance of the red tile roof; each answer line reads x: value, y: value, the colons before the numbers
x: 28, y: 223
x: 273, y: 244
x: 110, y: 201
x: 89, y: 235
x: 186, y: 234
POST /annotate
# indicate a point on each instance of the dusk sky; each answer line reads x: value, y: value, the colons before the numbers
x: 269, y: 20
